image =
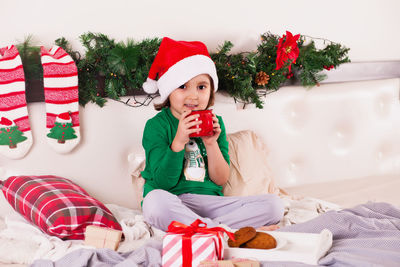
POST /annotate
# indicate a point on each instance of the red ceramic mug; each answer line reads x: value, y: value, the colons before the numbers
x: 206, y: 126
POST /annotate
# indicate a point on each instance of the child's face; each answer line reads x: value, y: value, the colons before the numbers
x: 193, y: 95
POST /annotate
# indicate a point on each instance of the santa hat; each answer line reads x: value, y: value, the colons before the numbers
x: 64, y: 118
x: 4, y: 122
x: 176, y: 63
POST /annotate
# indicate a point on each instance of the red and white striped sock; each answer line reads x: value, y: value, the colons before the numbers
x: 60, y: 79
x: 15, y: 130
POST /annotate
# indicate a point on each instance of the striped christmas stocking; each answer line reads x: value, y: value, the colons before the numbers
x: 60, y: 78
x: 15, y: 130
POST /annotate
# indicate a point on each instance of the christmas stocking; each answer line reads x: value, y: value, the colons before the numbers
x: 60, y: 78
x: 15, y: 130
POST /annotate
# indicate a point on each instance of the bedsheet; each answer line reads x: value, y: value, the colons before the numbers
x: 22, y: 243
x: 366, y: 235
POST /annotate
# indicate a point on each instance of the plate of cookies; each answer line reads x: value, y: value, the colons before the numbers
x: 250, y: 238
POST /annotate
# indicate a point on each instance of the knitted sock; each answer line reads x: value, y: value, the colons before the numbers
x: 60, y: 79
x: 15, y: 130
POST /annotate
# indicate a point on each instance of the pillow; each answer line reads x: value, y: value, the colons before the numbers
x: 249, y: 170
x: 56, y: 205
x: 138, y: 181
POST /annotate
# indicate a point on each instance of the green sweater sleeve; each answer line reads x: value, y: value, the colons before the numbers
x: 163, y: 166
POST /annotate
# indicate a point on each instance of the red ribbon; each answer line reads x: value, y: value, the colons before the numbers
x: 188, y: 231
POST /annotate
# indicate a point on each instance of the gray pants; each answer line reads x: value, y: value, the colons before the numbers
x: 160, y: 208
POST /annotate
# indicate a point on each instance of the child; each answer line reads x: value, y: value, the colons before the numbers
x: 174, y: 189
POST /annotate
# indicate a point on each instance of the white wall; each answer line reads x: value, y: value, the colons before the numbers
x: 369, y: 28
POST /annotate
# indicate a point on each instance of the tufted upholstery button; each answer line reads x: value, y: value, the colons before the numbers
x: 296, y: 114
x: 132, y: 158
x: 387, y: 151
x: 294, y: 168
x: 342, y: 138
x: 383, y: 104
x: 384, y: 157
x: 135, y: 160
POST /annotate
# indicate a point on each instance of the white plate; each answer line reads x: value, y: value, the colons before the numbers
x: 251, y: 253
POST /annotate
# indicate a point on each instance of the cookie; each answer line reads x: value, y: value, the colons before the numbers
x: 242, y: 235
x: 260, y: 241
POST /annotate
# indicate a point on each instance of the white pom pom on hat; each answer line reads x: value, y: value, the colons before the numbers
x: 150, y: 86
x: 176, y: 63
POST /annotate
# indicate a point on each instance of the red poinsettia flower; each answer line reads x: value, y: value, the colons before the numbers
x: 287, y: 50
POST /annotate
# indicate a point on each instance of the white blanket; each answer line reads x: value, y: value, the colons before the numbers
x: 21, y: 242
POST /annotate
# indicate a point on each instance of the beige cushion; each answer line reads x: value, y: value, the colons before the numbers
x: 250, y: 173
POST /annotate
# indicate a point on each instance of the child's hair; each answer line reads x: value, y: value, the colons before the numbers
x: 166, y: 103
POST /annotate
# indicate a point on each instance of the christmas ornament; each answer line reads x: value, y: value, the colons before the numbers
x: 15, y: 131
x: 328, y: 67
x: 289, y: 75
x: 262, y: 78
x: 60, y: 79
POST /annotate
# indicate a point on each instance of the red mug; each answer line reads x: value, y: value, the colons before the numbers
x: 206, y: 126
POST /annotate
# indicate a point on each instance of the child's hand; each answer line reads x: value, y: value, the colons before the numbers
x: 186, y: 121
x: 208, y: 140
x: 271, y: 227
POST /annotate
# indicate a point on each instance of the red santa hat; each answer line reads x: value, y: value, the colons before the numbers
x: 64, y: 118
x: 176, y: 63
x: 4, y: 122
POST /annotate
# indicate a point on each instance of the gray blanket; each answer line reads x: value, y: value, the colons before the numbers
x: 148, y: 255
x: 366, y: 235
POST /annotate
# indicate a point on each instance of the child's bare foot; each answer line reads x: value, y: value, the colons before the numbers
x: 271, y: 227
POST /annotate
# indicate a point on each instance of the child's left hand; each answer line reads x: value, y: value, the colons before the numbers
x: 208, y: 140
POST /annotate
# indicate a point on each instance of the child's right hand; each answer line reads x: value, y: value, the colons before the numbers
x: 186, y: 121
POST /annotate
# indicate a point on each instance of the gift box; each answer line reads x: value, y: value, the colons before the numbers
x: 186, y: 246
x: 101, y: 237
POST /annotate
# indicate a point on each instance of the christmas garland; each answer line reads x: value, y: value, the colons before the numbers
x: 114, y: 69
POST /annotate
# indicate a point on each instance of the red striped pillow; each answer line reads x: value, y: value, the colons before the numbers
x: 56, y: 205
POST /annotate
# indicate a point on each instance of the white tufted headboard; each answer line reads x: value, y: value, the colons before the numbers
x: 335, y: 131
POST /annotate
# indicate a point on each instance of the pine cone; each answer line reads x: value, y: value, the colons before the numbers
x: 262, y: 78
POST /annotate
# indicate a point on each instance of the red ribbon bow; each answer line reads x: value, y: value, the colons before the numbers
x: 188, y: 231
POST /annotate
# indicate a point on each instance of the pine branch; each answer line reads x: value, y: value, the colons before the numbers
x: 114, y: 69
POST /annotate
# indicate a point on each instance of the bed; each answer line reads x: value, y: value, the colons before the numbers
x: 332, y: 153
